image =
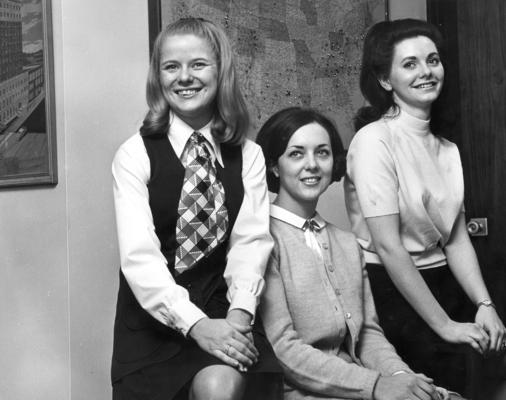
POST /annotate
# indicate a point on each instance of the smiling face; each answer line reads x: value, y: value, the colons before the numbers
x: 416, y: 77
x: 189, y: 78
x: 304, y: 170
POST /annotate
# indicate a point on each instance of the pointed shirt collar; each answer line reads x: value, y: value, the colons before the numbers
x: 290, y: 218
x: 180, y: 132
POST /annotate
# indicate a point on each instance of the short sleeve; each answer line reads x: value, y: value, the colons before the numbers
x: 371, y: 171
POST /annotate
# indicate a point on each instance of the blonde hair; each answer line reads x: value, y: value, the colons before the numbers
x: 231, y: 118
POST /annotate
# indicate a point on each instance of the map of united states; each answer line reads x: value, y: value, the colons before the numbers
x: 292, y: 52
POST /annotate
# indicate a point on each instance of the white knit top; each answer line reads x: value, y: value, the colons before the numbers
x: 397, y: 166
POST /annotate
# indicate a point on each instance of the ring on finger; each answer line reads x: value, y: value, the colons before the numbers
x: 228, y: 349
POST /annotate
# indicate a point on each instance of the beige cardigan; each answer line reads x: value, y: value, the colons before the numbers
x: 319, y: 316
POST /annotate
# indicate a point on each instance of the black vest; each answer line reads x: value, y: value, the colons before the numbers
x: 139, y: 339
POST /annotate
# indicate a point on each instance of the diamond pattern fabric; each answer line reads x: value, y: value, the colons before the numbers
x: 203, y: 217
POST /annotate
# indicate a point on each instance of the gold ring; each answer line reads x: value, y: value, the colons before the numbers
x: 228, y: 349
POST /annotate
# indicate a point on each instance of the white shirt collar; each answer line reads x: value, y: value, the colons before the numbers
x: 180, y: 132
x: 293, y: 219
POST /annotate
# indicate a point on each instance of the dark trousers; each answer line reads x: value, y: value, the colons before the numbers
x: 418, y: 345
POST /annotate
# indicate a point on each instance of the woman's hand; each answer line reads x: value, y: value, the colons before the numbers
x: 241, y: 320
x: 229, y: 343
x: 405, y: 386
x: 487, y: 318
x: 466, y: 332
x: 239, y: 317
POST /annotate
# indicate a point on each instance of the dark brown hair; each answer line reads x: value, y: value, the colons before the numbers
x: 377, y: 56
x: 275, y: 134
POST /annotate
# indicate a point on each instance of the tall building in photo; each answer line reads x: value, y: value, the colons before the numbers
x: 13, y: 80
x: 35, y: 80
x: 11, y: 40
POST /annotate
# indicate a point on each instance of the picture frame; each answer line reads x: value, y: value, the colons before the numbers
x: 27, y: 113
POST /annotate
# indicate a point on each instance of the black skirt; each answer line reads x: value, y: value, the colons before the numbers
x: 417, y: 344
x: 171, y: 378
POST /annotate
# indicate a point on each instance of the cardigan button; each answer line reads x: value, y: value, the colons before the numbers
x: 337, y: 292
x: 347, y: 315
x: 325, y: 246
x: 330, y: 267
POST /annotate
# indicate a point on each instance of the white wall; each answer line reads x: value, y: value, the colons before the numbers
x: 34, y: 300
x: 105, y: 56
x: 58, y: 254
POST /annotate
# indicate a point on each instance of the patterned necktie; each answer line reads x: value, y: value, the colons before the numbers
x: 203, y: 217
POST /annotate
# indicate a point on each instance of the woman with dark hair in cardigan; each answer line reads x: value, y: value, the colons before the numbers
x: 317, y: 306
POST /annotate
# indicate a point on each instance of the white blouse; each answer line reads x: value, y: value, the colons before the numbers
x: 397, y: 166
x: 142, y: 262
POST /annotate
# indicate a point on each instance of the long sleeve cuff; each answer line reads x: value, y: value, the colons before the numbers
x: 244, y: 300
x: 189, y: 314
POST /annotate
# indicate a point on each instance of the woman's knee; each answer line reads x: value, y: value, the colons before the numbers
x: 218, y: 382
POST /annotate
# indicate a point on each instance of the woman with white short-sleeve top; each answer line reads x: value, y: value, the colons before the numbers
x: 404, y: 194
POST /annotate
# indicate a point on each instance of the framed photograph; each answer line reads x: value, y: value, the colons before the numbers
x: 27, y: 108
x: 289, y: 53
